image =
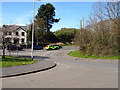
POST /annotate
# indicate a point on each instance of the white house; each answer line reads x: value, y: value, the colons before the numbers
x: 15, y: 34
x: 1, y: 33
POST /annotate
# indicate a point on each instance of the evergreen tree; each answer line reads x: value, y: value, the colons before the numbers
x: 47, y: 13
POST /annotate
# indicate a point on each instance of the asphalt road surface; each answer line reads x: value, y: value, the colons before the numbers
x: 69, y: 72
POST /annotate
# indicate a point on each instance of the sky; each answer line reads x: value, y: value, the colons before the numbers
x: 70, y: 13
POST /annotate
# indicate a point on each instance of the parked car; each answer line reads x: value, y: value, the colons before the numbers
x: 58, y: 46
x: 14, y: 47
x: 37, y: 47
x: 52, y: 47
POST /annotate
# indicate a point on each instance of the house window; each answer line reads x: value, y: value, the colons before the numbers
x: 5, y: 33
x: 17, y: 33
x: 10, y: 33
x: 23, y: 34
x: 8, y: 40
x: 23, y: 40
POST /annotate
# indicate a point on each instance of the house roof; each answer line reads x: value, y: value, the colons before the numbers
x: 0, y: 30
x: 13, y: 28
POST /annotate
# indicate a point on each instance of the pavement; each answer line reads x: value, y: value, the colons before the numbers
x: 40, y: 65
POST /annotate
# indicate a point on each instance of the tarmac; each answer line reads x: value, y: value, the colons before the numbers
x: 40, y: 65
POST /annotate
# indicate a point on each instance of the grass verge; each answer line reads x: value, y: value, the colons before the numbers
x: 81, y: 55
x: 15, y: 61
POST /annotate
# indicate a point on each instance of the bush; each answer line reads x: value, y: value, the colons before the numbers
x: 65, y: 35
x: 98, y: 42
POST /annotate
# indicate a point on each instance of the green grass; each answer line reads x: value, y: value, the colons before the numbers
x: 81, y: 55
x: 14, y: 61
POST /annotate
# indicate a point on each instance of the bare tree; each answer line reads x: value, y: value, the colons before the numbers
x: 101, y: 37
x: 5, y: 42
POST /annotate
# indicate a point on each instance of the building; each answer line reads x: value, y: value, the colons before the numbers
x: 1, y: 33
x: 15, y: 34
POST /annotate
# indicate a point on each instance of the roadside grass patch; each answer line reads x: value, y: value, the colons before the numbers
x: 15, y: 61
x: 79, y: 54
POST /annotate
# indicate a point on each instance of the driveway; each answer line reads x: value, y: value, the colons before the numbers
x: 70, y: 72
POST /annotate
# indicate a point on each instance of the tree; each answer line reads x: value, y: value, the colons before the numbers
x: 50, y: 37
x: 29, y: 33
x: 39, y: 30
x: 3, y: 47
x: 47, y: 13
x: 66, y: 35
x: 101, y: 36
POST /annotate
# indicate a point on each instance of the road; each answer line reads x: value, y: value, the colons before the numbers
x: 69, y: 73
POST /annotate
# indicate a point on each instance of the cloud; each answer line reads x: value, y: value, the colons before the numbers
x: 30, y: 11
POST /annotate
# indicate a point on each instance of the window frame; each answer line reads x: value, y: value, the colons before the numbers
x: 23, y: 33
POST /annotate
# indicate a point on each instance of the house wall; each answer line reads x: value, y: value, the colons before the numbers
x: 19, y: 36
x: 1, y: 33
x: 22, y: 37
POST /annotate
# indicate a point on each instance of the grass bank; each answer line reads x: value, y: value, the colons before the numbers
x: 81, y: 55
x: 15, y: 61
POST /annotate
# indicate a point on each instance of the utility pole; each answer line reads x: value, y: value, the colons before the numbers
x: 118, y: 27
x: 33, y: 29
x: 81, y: 25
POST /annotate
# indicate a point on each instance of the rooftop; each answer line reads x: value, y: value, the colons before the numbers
x: 13, y: 27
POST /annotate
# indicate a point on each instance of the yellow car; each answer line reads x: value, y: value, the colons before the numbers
x: 52, y: 47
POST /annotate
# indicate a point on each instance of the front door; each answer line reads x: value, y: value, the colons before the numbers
x: 16, y: 40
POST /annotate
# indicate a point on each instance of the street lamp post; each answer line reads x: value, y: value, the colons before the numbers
x: 33, y: 29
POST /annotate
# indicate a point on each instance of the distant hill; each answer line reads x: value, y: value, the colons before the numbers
x: 67, y: 30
